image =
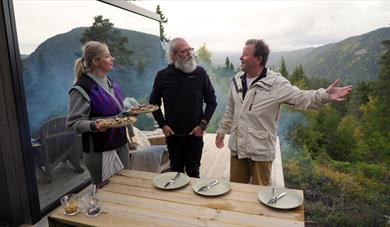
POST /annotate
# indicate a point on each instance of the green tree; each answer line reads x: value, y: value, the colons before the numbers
x: 103, y: 30
x: 360, y: 96
x: 376, y: 113
x: 227, y: 63
x: 283, y: 69
x: 231, y: 66
x: 204, y: 56
x: 298, y: 78
x: 43, y: 70
x: 342, y: 158
x: 163, y: 20
x: 382, y: 87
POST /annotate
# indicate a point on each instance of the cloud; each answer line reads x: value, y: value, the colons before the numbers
x: 285, y: 25
x: 222, y: 25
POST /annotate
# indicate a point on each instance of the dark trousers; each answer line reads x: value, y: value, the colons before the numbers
x: 185, y: 153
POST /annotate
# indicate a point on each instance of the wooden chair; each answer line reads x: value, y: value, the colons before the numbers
x: 59, y: 144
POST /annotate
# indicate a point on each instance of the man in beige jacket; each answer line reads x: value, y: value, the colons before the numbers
x: 252, y: 113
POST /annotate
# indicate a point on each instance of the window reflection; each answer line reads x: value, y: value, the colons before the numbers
x: 50, y: 34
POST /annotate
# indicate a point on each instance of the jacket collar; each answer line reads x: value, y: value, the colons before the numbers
x: 268, y: 81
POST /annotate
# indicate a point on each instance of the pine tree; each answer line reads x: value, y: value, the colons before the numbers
x: 283, y: 69
x: 43, y: 71
x: 382, y: 88
x: 298, y: 78
x: 103, y: 30
x: 227, y: 63
x: 231, y: 66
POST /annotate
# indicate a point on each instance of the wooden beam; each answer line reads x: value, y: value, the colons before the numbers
x: 133, y: 8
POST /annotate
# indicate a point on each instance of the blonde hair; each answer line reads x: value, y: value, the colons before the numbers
x: 89, y: 51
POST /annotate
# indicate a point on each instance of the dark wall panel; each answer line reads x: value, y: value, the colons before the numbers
x: 18, y: 193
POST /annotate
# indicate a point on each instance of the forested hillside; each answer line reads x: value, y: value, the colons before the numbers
x: 352, y: 60
x: 340, y: 154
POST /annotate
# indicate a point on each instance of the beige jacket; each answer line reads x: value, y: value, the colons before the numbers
x: 253, y: 122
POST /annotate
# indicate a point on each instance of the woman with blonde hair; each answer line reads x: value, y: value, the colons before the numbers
x: 95, y: 95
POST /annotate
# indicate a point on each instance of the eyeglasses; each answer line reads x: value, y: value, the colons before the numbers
x: 188, y: 50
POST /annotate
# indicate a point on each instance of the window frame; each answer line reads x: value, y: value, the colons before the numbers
x: 19, y: 189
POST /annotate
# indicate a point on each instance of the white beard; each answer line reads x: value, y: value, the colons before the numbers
x: 187, y: 66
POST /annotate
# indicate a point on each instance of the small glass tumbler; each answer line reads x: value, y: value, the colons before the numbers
x: 92, y: 205
x: 71, y: 204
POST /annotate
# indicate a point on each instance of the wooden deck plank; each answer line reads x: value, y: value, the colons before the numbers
x: 215, y: 163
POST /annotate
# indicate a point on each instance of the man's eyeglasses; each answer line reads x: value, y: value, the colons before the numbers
x: 188, y: 50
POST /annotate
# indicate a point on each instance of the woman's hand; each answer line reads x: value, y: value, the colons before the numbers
x: 99, y: 127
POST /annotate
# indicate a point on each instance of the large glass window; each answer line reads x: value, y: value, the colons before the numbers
x: 50, y: 34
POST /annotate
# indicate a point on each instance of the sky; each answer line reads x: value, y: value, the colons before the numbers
x: 223, y: 26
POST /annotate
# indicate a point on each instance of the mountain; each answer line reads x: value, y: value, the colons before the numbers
x: 48, y: 72
x: 352, y: 60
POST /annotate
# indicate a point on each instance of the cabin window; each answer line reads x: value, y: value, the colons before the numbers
x: 50, y: 34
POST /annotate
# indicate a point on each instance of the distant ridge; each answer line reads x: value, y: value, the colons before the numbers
x: 353, y: 59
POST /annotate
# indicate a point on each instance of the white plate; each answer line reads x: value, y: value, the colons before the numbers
x: 291, y: 200
x: 160, y: 180
x: 219, y: 189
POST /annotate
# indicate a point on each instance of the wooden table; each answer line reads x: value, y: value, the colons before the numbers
x: 130, y: 199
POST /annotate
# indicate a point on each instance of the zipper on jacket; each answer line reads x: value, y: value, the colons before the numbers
x: 253, y: 99
x: 277, y: 114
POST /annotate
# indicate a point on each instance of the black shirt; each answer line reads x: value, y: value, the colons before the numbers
x: 243, y: 81
x: 183, y: 95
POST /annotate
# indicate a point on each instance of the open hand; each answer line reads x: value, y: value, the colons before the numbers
x: 338, y: 93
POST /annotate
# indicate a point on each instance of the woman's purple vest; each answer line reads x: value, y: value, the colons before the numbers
x: 103, y: 105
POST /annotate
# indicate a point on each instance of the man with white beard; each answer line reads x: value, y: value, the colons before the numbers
x: 184, y: 87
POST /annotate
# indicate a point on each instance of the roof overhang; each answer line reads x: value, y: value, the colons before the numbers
x: 123, y: 4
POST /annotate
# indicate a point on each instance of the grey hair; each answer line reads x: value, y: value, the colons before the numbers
x: 261, y: 49
x: 171, y: 49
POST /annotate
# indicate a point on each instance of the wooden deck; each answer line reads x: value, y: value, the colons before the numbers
x: 215, y: 162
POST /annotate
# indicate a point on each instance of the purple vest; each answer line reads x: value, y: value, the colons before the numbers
x: 103, y: 105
